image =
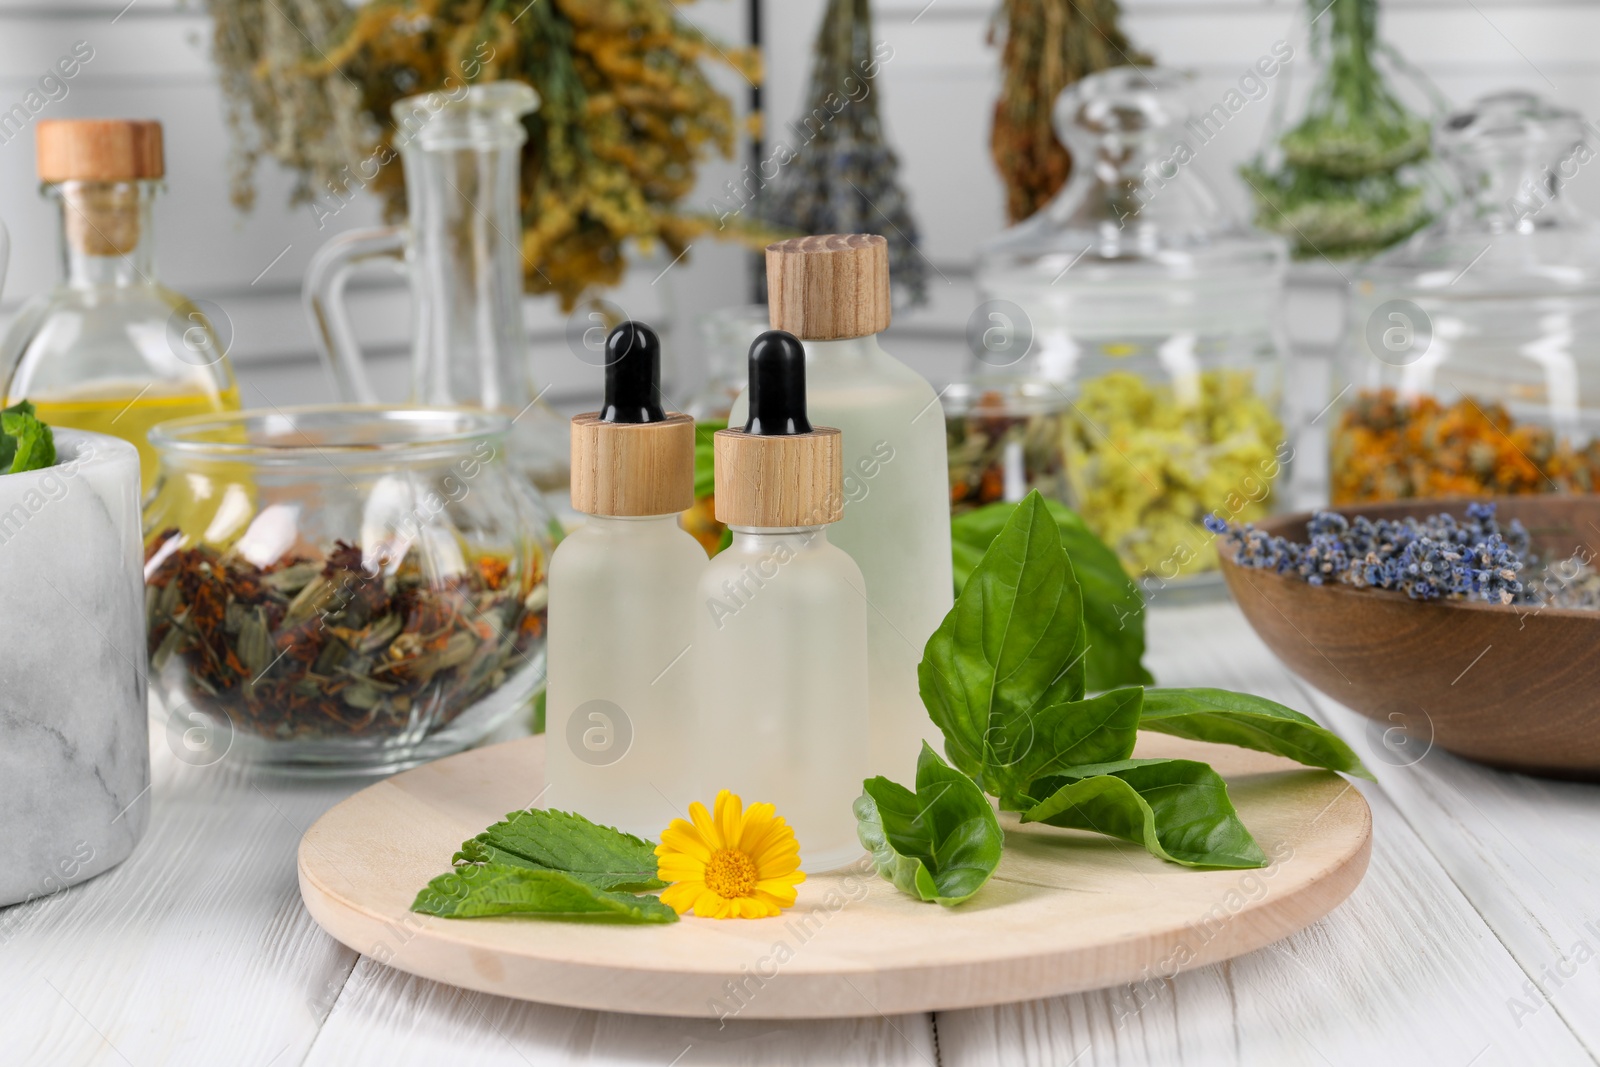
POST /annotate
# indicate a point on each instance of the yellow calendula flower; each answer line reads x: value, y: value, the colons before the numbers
x: 732, y: 863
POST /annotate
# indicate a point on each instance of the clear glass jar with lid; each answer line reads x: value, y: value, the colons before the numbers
x: 1472, y: 355
x: 109, y: 348
x: 1156, y: 315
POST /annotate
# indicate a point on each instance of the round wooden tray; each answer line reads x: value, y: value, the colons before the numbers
x: 1066, y: 911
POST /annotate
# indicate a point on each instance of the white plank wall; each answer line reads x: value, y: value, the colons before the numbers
x: 938, y: 91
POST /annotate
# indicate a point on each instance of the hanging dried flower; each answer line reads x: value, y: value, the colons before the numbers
x: 627, y: 110
x: 1049, y: 44
x: 1340, y: 188
x: 836, y: 174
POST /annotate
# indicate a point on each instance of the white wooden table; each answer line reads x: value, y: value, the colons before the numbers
x: 1474, y: 940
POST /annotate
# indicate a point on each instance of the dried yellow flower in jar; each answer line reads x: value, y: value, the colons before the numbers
x: 1147, y: 462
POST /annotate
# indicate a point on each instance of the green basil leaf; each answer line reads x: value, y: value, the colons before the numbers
x: 1113, y: 609
x: 1100, y: 729
x: 940, y: 843
x: 1013, y: 643
x: 1249, y: 722
x: 556, y: 840
x: 503, y: 889
x: 1178, y: 809
x: 34, y: 444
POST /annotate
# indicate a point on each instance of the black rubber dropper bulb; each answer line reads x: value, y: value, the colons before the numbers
x: 633, y: 375
x: 777, y: 386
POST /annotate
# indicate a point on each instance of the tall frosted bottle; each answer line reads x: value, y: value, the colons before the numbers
x: 781, y: 630
x: 832, y: 292
x: 622, y: 600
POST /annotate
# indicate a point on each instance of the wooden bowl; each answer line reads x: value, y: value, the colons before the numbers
x: 1511, y: 686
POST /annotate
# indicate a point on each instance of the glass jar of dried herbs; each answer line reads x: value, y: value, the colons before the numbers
x: 344, y: 588
x: 1005, y: 437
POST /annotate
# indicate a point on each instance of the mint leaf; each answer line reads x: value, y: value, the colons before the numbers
x: 938, y: 844
x: 1249, y: 722
x: 503, y: 889
x: 1013, y: 643
x: 1113, y: 608
x: 1177, y: 809
x: 1100, y: 729
x: 546, y: 839
x: 28, y: 444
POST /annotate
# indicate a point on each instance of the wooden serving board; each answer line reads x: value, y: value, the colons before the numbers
x: 1066, y: 911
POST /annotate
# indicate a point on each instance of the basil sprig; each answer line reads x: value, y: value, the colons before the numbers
x: 940, y: 843
x: 1006, y: 678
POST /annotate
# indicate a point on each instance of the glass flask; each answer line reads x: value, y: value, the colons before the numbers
x: 339, y: 589
x: 460, y: 248
x: 110, y: 349
x: 1472, y: 354
x: 1156, y: 315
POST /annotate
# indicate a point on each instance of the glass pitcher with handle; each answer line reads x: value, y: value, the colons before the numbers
x: 462, y: 153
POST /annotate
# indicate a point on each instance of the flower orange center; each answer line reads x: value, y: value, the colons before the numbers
x: 730, y: 874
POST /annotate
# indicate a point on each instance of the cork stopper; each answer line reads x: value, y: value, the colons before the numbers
x: 829, y: 287
x: 631, y: 457
x: 779, y: 471
x: 99, y: 150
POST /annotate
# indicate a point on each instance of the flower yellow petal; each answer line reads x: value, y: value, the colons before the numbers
x: 683, y: 838
x: 681, y: 897
x: 778, y: 854
x: 704, y: 824
x: 710, y: 906
x: 729, y: 818
x: 758, y: 820
x: 779, y: 892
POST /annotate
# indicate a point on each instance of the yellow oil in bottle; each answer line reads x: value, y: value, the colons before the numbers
x: 130, y: 414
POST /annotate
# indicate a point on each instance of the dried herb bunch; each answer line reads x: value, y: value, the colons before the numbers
x: 1049, y: 44
x: 314, y: 648
x: 627, y: 110
x: 842, y: 176
x: 1339, y: 190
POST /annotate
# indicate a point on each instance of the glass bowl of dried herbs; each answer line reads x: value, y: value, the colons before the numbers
x: 343, y: 589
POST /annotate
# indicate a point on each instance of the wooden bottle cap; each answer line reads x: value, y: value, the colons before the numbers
x: 99, y: 150
x: 829, y: 287
x: 631, y: 469
x: 767, y: 482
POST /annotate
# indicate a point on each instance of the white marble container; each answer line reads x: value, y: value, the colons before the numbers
x: 74, y: 737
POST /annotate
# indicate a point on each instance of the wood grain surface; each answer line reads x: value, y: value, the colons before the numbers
x: 1066, y: 911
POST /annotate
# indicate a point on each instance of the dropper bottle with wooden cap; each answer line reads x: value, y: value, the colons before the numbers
x: 781, y: 632
x: 832, y: 292
x: 622, y: 600
x: 110, y: 349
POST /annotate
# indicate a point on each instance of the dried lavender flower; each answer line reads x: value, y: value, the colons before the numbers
x: 1436, y: 558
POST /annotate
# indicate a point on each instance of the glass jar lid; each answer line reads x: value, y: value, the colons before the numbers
x: 1134, y: 206
x: 1509, y: 232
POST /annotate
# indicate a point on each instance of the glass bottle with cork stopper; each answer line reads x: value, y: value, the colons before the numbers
x: 110, y: 349
x: 780, y: 637
x: 832, y: 292
x: 622, y: 604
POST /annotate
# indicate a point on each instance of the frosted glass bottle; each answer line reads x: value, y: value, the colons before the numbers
x: 833, y: 293
x: 781, y: 628
x: 622, y: 600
